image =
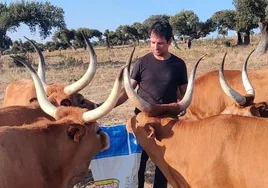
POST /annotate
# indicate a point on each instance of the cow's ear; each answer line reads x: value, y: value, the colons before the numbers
x: 150, y: 131
x: 76, y: 132
x: 34, y: 99
x: 131, y: 124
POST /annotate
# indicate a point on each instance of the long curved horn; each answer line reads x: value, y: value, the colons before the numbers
x: 45, y: 104
x: 235, y: 96
x: 88, y: 76
x: 109, y: 104
x: 134, y: 98
x: 41, y: 63
x: 247, y: 84
x: 186, y: 100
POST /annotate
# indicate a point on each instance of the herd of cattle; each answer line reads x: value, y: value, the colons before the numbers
x: 49, y: 132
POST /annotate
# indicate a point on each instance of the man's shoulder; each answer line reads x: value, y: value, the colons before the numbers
x: 177, y: 59
x: 144, y: 59
x: 146, y: 56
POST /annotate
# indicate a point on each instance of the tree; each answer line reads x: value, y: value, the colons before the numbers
x: 186, y: 24
x: 225, y: 20
x: 65, y: 36
x: 45, y: 16
x: 131, y: 32
x: 248, y: 14
x: 107, y: 40
x: 5, y: 43
x: 141, y: 29
x: 206, y: 27
x: 255, y: 13
x: 89, y: 33
x: 159, y: 17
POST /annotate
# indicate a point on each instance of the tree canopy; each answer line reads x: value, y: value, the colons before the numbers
x: 43, y: 16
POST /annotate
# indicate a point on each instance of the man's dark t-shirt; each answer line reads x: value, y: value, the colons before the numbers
x: 158, y: 80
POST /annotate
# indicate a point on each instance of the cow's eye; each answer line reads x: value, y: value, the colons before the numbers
x: 82, y: 103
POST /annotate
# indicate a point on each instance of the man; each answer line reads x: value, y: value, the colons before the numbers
x: 162, y: 79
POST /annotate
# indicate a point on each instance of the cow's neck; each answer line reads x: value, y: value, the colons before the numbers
x: 45, y: 160
x: 189, y: 152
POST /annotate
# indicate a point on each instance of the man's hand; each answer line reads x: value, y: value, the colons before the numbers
x: 182, y: 113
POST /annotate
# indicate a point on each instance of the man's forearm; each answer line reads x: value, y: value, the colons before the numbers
x: 123, y: 97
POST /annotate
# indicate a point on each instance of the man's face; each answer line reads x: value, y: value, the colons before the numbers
x: 159, y: 45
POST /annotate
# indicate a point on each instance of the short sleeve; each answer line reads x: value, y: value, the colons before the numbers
x: 183, y: 74
x: 136, y: 73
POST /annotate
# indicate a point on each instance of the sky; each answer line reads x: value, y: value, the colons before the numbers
x: 109, y: 14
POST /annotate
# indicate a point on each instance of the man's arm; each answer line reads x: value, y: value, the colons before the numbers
x: 181, y: 92
x: 123, y: 96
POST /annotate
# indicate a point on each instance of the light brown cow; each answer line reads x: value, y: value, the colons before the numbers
x: 19, y: 115
x: 209, y: 98
x: 22, y: 92
x: 53, y: 154
x: 243, y: 104
x: 217, y: 152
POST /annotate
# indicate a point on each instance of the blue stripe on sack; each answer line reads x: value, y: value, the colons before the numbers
x: 118, y: 142
x: 134, y: 145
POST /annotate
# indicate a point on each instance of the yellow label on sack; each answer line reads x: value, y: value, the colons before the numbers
x: 108, y: 183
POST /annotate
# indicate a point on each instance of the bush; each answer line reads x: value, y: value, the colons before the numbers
x: 16, y: 62
x: 227, y: 43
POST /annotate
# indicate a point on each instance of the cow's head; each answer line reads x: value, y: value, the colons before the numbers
x: 155, y: 128
x: 68, y: 95
x: 255, y: 109
x: 78, y: 136
x: 243, y: 104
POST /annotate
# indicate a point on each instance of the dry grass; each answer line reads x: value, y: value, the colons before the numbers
x: 111, y: 59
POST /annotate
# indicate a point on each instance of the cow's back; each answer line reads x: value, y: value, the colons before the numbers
x: 209, y: 98
x: 221, y: 151
x: 19, y: 93
x: 18, y: 160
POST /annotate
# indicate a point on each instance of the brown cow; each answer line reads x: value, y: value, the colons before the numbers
x: 53, y: 153
x: 209, y: 99
x: 19, y: 115
x: 243, y: 104
x: 22, y: 92
x: 49, y: 154
x: 217, y: 152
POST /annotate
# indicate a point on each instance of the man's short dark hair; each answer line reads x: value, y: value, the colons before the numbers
x: 162, y: 29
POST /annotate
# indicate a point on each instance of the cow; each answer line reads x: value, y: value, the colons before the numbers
x: 215, y: 152
x: 20, y: 115
x: 209, y: 98
x: 22, y: 92
x: 243, y: 104
x: 52, y: 153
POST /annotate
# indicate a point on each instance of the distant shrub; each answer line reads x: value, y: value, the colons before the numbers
x: 227, y: 43
x: 69, y: 61
x: 17, y: 63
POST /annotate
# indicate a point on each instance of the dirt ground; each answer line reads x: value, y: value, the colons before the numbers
x: 67, y: 66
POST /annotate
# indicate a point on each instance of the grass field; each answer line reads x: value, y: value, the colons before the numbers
x: 67, y: 66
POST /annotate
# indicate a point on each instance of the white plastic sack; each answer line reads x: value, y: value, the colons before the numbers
x: 118, y: 166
